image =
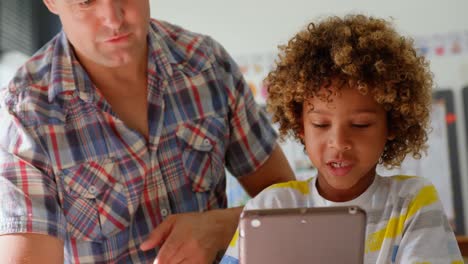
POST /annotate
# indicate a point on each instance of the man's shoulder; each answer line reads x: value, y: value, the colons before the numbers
x: 32, y: 79
x: 184, y: 46
x: 26, y: 94
x: 174, y: 32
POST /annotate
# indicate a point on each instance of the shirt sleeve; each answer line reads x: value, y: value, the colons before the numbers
x: 28, y: 192
x: 428, y: 237
x: 252, y: 138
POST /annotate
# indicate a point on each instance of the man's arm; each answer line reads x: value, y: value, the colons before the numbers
x: 30, y: 248
x: 199, y: 236
x: 275, y: 169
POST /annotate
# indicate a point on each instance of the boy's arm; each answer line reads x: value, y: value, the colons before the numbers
x: 31, y: 248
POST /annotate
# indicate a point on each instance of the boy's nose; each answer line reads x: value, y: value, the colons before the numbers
x: 339, y: 140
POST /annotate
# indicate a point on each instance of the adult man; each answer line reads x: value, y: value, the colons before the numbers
x: 120, y: 123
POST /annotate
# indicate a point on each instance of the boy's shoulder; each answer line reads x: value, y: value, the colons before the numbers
x: 406, y: 182
x: 408, y: 186
x: 283, y: 195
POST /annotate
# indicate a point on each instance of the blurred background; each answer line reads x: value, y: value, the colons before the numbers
x: 251, y: 32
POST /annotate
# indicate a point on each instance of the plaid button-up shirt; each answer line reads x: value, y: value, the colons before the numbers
x: 70, y: 168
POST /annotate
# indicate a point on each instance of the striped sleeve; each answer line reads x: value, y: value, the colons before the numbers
x: 428, y: 237
x: 419, y: 231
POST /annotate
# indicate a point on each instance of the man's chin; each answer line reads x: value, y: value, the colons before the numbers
x: 117, y: 62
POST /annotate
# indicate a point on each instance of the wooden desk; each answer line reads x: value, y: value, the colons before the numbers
x: 463, y: 244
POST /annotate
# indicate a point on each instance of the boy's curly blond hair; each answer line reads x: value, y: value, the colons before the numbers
x: 361, y: 52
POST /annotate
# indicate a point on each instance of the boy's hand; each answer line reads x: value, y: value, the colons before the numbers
x: 193, y: 237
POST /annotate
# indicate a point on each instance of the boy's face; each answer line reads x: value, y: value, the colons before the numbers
x: 344, y: 139
x: 108, y: 32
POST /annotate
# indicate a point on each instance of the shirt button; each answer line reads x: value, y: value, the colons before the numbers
x: 92, y: 189
x: 164, y: 212
x: 206, y: 142
x: 84, y: 96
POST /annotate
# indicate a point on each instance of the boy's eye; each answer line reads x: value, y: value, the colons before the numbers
x: 361, y: 125
x: 318, y: 125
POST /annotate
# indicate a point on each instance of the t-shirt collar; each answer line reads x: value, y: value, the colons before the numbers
x: 362, y: 200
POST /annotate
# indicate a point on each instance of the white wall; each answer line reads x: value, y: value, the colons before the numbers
x: 252, y: 26
x: 246, y: 26
x: 9, y: 63
x: 258, y: 26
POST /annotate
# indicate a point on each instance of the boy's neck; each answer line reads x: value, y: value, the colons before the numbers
x: 337, y: 195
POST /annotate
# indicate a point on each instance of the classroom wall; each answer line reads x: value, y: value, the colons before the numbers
x: 9, y: 63
x: 247, y: 27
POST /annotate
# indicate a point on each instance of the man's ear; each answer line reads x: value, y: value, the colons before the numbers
x: 51, y: 5
x: 391, y: 136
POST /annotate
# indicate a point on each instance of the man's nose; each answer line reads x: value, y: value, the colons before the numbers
x: 112, y: 14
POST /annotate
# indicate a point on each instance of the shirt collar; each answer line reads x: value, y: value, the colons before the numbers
x: 173, y: 48
x: 67, y: 74
x: 362, y: 200
x: 159, y: 55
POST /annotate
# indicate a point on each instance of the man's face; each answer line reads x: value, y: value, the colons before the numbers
x: 107, y: 32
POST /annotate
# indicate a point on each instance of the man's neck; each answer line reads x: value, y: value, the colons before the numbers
x: 105, y: 77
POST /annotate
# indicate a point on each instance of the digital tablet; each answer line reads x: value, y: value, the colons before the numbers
x: 302, y: 235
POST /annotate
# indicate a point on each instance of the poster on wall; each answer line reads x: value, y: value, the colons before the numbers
x: 442, y: 44
x: 255, y: 67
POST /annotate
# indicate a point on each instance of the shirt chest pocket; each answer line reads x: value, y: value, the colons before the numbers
x: 95, y: 202
x: 202, y: 144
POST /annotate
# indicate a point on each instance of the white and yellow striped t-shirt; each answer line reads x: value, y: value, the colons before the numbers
x: 405, y: 219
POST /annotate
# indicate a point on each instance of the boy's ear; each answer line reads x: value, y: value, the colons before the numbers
x: 301, y: 134
x: 51, y: 5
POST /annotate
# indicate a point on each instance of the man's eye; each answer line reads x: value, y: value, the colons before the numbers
x: 85, y: 3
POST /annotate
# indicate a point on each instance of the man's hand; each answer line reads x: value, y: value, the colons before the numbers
x: 193, y: 237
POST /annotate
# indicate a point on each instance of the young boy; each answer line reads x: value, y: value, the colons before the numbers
x: 355, y: 94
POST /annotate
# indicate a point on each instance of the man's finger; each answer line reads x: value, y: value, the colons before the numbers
x: 171, y: 250
x: 158, y: 235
